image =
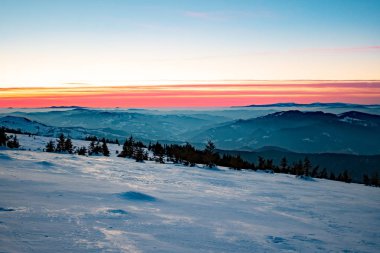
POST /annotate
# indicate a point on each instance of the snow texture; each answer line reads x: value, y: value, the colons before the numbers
x: 67, y: 203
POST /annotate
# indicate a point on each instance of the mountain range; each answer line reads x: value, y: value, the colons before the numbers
x: 317, y: 104
x: 312, y: 132
x: 351, y: 132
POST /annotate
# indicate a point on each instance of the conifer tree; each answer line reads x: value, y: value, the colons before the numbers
x: 269, y: 164
x: 139, y: 154
x: 209, y: 154
x: 346, y: 177
x: 3, y: 137
x: 82, y: 150
x: 298, y: 168
x: 261, y: 163
x: 92, y: 148
x: 50, y: 146
x: 13, y: 143
x: 128, y: 148
x: 283, y: 165
x: 68, y: 146
x: 60, y: 143
x: 306, y: 167
x: 145, y: 155
x: 105, y: 150
x: 158, y: 149
x: 315, y: 172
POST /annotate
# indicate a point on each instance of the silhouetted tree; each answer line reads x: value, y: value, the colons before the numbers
x: 284, y: 165
x: 60, y: 143
x: 3, y: 137
x: 306, y: 167
x: 158, y: 149
x: 298, y: 168
x: 105, y: 150
x: 139, y: 154
x: 95, y: 148
x: 91, y: 147
x: 346, y: 177
x: 315, y: 172
x: 82, y: 150
x: 13, y: 143
x: 209, y: 154
x: 50, y: 146
x: 68, y: 146
x: 269, y: 164
x: 261, y: 163
x: 128, y: 148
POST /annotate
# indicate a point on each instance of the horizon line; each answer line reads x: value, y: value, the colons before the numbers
x: 182, y: 107
x: 168, y: 82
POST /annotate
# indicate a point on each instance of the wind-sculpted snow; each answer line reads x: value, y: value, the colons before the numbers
x: 68, y: 203
x: 136, y: 196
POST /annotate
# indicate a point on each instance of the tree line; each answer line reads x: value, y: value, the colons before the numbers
x: 188, y: 155
x: 95, y: 138
x: 134, y: 149
x: 10, y: 141
x: 64, y: 145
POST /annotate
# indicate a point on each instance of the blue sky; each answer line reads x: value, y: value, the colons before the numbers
x: 63, y: 41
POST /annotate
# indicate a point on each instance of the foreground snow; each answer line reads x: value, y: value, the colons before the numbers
x: 68, y: 203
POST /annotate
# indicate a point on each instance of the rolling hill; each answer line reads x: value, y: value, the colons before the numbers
x: 311, y: 132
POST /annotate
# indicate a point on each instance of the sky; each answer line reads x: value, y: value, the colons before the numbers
x: 202, y: 53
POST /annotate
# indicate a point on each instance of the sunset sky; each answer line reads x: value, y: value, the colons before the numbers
x: 137, y: 53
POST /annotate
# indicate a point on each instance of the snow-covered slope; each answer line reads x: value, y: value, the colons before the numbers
x: 34, y: 127
x: 68, y: 203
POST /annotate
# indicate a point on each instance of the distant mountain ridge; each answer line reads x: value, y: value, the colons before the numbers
x: 316, y: 104
x: 114, y: 124
x: 312, y: 132
x: 34, y: 127
x: 66, y: 107
x: 351, y: 132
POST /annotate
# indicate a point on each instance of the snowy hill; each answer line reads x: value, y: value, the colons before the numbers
x: 34, y: 127
x: 312, y: 132
x: 350, y: 132
x: 67, y: 203
x: 114, y: 123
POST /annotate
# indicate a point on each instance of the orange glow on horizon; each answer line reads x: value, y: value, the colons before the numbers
x: 189, y: 95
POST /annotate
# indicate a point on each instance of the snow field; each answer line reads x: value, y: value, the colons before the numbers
x: 69, y: 203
